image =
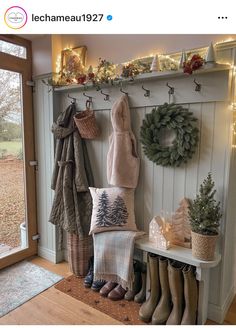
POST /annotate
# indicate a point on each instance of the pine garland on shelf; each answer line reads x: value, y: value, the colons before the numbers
x: 171, y: 117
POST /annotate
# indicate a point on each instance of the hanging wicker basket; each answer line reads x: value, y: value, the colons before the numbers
x: 203, y: 246
x: 86, y: 124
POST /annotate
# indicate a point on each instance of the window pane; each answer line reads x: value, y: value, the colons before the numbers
x: 13, y: 220
x: 13, y: 49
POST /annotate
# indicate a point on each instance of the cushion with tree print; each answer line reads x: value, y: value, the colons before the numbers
x: 113, y: 209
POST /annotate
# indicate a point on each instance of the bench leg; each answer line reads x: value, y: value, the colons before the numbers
x: 202, y: 275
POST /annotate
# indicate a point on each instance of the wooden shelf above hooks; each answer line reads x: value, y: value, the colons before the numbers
x: 145, y: 77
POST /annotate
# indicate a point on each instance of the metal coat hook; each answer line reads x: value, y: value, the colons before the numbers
x: 131, y: 79
x: 198, y: 86
x: 171, y: 89
x: 147, y: 92
x: 126, y: 93
x: 73, y: 99
x: 88, y: 101
x: 89, y: 97
x: 107, y: 96
x: 48, y: 85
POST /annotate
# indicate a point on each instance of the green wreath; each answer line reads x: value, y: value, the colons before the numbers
x: 171, y: 117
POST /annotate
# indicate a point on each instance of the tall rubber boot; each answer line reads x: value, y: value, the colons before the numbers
x: 163, y: 309
x: 190, y: 296
x: 141, y: 296
x: 137, y: 283
x: 148, y: 307
x: 177, y: 292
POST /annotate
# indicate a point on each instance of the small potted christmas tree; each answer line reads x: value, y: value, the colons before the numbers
x: 205, y: 216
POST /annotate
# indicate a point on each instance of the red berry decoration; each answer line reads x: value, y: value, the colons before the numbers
x: 197, y: 62
x: 91, y: 76
x: 193, y: 64
x: 81, y: 79
x: 187, y: 68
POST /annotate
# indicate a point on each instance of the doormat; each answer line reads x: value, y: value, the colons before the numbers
x: 21, y: 282
x: 124, y: 311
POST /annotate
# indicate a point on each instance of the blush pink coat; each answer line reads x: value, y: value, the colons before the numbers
x: 122, y: 158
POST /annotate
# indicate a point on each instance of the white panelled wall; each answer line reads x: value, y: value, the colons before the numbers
x: 44, y: 115
x: 159, y: 188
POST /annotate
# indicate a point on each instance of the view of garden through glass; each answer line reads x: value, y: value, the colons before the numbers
x: 13, y: 49
x: 12, y: 208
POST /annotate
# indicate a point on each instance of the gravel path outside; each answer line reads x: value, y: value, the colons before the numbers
x: 12, y: 206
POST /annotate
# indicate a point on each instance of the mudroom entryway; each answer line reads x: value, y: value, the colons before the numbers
x: 117, y: 179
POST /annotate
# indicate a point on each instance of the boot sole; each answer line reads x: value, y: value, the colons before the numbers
x: 129, y: 300
x: 96, y: 289
x: 158, y: 323
x: 116, y: 299
x: 140, y: 301
x: 145, y: 319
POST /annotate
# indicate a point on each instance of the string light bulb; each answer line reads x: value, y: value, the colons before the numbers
x: 234, y: 130
x: 58, y: 64
x: 225, y: 41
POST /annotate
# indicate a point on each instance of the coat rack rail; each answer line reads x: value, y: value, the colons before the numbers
x: 143, y: 77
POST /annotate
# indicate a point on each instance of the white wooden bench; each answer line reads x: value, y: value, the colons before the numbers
x: 185, y: 255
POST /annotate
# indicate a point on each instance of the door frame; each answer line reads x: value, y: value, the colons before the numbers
x: 24, y: 67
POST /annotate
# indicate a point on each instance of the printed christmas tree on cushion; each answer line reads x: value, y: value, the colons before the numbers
x: 119, y: 214
x: 103, y: 211
x: 113, y: 209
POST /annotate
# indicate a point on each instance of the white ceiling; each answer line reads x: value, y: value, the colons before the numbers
x: 31, y: 37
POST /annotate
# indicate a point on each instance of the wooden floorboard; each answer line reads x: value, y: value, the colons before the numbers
x: 56, y: 308
x: 53, y: 307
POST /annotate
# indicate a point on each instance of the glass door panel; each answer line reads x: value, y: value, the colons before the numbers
x: 18, y: 219
x: 13, y: 218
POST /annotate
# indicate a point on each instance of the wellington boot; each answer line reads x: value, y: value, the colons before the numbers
x: 129, y: 296
x: 163, y: 309
x: 177, y: 292
x: 148, y: 307
x: 88, y: 280
x: 141, y: 296
x: 137, y: 283
x: 190, y: 296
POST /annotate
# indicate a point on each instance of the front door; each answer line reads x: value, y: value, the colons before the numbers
x: 17, y: 170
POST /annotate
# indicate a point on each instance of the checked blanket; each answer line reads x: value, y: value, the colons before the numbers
x: 113, y: 256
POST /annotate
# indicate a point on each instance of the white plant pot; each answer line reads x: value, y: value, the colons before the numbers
x: 23, y: 235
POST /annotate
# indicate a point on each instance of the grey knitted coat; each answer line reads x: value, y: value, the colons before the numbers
x: 72, y: 175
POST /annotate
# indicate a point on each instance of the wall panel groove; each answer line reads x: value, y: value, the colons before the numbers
x: 158, y: 188
x: 162, y: 188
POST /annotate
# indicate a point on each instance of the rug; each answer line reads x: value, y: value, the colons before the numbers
x: 21, y: 282
x: 124, y: 311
